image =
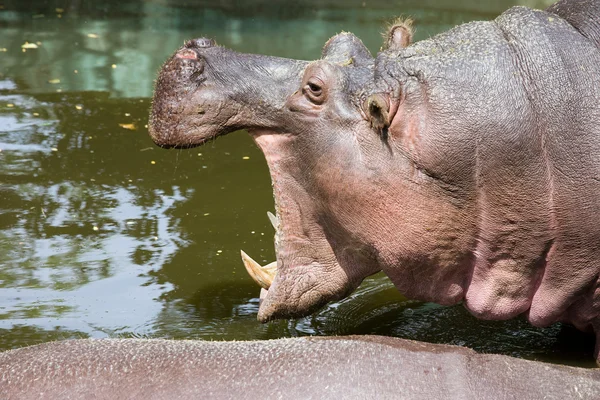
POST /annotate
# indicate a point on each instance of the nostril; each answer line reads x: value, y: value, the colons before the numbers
x: 200, y: 43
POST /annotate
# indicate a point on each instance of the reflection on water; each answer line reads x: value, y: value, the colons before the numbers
x: 102, y: 234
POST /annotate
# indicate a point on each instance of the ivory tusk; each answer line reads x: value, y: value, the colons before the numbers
x: 274, y: 220
x: 262, y: 275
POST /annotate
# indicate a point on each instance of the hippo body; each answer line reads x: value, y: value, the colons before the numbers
x: 466, y: 166
x: 357, y: 367
x: 502, y: 121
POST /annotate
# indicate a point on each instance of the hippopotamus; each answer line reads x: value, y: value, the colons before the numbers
x: 466, y: 167
x: 358, y: 367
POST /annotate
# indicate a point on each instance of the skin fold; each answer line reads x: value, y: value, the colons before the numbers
x: 464, y: 166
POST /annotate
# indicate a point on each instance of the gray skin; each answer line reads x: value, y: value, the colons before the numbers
x: 466, y: 166
x: 358, y: 367
x: 499, y: 122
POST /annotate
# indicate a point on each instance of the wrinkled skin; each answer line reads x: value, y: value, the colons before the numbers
x: 355, y: 367
x: 465, y: 166
x: 501, y: 123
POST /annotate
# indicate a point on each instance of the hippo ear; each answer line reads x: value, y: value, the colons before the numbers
x: 399, y: 34
x: 345, y: 48
x: 377, y: 109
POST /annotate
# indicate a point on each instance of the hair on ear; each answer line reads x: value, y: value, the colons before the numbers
x: 377, y: 111
x: 399, y: 34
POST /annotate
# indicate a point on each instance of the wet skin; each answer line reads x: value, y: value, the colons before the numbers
x: 462, y: 166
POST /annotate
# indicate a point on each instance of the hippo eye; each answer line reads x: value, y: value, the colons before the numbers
x: 314, y: 91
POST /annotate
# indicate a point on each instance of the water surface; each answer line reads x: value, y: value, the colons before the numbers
x: 104, y: 235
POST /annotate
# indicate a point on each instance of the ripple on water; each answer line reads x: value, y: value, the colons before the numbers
x: 377, y: 308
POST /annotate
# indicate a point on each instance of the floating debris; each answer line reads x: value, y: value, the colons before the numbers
x: 10, y: 105
x: 95, y: 228
x: 245, y: 158
x: 54, y: 81
x: 54, y: 149
x: 92, y: 35
x: 28, y: 45
x: 131, y: 127
x: 113, y: 66
x: 152, y: 162
x: 3, y: 49
x: 79, y: 107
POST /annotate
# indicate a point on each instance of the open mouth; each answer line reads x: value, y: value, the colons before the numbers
x: 264, y: 275
x: 307, y: 273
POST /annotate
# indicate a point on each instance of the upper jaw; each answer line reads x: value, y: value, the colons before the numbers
x: 204, y: 91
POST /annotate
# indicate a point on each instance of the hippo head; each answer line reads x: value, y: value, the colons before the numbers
x: 341, y: 190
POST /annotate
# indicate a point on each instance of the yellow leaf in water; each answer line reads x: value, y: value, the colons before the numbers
x: 131, y: 127
x: 28, y: 45
x: 54, y: 81
x: 92, y: 35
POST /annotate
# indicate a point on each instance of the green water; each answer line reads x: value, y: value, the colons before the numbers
x: 104, y: 235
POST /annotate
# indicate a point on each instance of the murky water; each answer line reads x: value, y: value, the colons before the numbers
x: 104, y: 235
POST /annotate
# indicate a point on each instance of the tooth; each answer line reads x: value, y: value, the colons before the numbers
x: 262, y: 275
x: 274, y: 220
